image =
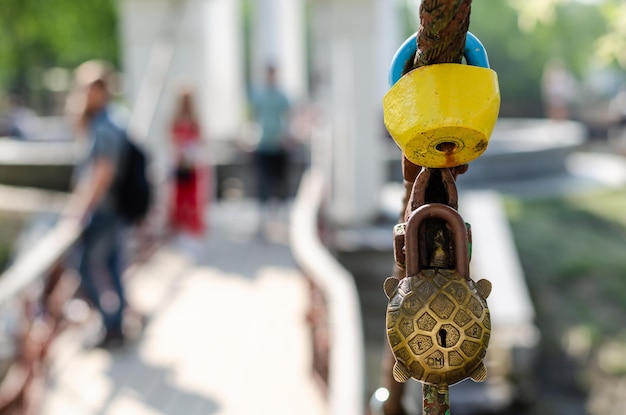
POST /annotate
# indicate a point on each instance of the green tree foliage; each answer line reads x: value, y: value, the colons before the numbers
x: 522, y: 36
x: 611, y: 47
x: 50, y: 33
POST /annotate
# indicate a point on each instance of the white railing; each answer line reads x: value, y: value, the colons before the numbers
x: 38, y: 261
x: 346, y: 379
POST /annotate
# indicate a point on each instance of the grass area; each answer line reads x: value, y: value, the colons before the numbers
x: 574, y: 254
x: 11, y: 225
x: 573, y: 251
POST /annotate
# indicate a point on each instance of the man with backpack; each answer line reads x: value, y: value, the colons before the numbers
x: 96, y: 199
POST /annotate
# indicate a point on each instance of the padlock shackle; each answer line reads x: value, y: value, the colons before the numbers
x: 459, y: 231
x: 420, y: 186
x: 474, y: 52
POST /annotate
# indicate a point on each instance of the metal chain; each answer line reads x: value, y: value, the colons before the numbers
x: 441, y: 39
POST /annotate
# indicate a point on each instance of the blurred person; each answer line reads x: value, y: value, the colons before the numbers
x: 558, y: 87
x: 271, y: 111
x: 617, y: 130
x: 190, y: 190
x: 93, y: 200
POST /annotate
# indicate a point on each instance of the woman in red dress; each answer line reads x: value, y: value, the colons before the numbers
x: 190, y: 172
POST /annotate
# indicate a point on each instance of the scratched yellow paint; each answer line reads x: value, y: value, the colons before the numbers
x: 443, y: 115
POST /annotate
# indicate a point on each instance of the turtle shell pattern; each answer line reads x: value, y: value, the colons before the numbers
x: 438, y: 326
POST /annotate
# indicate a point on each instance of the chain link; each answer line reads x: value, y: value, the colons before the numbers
x: 441, y: 39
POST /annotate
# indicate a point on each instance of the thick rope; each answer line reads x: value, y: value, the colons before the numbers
x: 443, y: 27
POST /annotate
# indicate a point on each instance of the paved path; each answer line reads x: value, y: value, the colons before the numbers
x: 226, y: 334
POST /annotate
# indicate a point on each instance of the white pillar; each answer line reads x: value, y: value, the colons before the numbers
x: 352, y: 59
x: 389, y: 38
x: 278, y: 37
x: 223, y: 83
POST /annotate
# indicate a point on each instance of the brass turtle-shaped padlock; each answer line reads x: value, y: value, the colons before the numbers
x: 438, y: 323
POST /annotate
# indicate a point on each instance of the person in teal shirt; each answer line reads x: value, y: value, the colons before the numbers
x: 271, y: 110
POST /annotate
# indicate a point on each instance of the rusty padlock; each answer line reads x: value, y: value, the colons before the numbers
x: 438, y: 323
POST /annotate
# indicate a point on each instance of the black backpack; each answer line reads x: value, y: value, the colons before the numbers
x: 133, y: 190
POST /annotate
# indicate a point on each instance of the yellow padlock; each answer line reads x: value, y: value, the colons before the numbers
x: 443, y: 115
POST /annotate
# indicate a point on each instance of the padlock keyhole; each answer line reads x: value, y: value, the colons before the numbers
x: 446, y: 147
x: 441, y: 337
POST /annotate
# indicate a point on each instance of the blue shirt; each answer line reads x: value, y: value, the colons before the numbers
x: 271, y: 110
x: 107, y: 142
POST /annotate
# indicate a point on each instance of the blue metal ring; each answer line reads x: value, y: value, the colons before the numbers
x: 474, y: 52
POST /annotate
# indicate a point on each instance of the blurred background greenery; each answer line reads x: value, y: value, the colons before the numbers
x: 521, y: 36
x: 41, y: 36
